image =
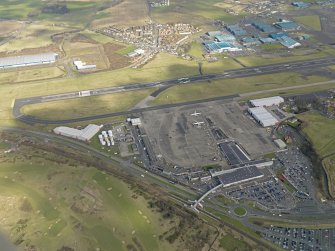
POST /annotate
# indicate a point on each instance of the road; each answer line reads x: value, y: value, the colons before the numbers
x: 239, y: 73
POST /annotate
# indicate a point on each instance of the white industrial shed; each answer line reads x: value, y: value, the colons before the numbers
x: 84, y: 134
x: 276, y: 100
x: 263, y: 116
x: 27, y: 60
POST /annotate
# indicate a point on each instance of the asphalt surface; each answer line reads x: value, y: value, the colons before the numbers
x: 238, y: 73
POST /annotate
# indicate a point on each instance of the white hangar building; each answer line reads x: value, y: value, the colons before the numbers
x: 84, y: 134
x: 270, y: 101
x: 27, y: 60
x: 263, y: 116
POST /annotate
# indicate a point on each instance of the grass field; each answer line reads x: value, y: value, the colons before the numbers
x: 55, y: 205
x: 231, y: 243
x: 217, y: 88
x: 20, y: 75
x: 197, y: 12
x: 312, y: 21
x: 87, y: 106
x: 321, y: 133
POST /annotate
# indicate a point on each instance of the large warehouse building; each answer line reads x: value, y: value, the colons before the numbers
x: 84, y: 134
x: 263, y: 116
x: 27, y: 60
x: 276, y: 100
x: 240, y: 175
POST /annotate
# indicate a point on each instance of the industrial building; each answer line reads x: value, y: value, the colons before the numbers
x: 135, y: 121
x: 301, y: 5
x: 288, y: 42
x: 27, y: 60
x: 263, y: 116
x: 247, y: 41
x: 225, y: 38
x: 84, y: 134
x: 236, y: 30
x: 214, y: 33
x: 240, y: 175
x: 219, y: 47
x: 264, y: 27
x: 269, y: 101
x: 287, y: 25
x: 80, y: 65
x: 278, y: 35
x: 267, y: 40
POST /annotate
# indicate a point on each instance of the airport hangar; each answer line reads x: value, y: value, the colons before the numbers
x: 84, y: 134
x: 28, y: 60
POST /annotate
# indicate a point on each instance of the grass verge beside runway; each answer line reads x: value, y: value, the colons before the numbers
x: 21, y: 75
x: 81, y: 107
x: 189, y: 92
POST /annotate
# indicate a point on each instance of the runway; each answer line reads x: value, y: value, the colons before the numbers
x: 238, y: 73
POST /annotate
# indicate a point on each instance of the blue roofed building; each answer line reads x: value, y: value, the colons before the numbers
x: 264, y: 27
x: 236, y: 30
x: 225, y: 38
x: 214, y: 33
x: 301, y: 5
x: 246, y: 41
x: 219, y: 47
x: 287, y: 25
x: 267, y: 40
x: 278, y: 35
x: 288, y: 42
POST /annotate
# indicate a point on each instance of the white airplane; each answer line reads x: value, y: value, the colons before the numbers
x: 195, y: 113
x: 198, y: 124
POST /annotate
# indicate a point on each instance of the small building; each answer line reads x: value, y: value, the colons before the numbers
x: 81, y: 134
x: 80, y: 65
x: 269, y: 101
x: 301, y: 5
x: 27, y: 60
x: 262, y: 116
x: 280, y: 144
x: 135, y: 121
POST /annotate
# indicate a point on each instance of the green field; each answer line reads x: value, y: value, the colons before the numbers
x: 183, y: 93
x: 321, y: 133
x: 195, y: 11
x: 50, y: 201
x: 231, y: 243
x: 312, y: 21
x: 82, y: 107
x: 19, y: 75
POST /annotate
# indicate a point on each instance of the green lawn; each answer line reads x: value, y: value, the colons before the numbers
x: 231, y: 243
x: 240, y: 211
x: 312, y: 21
